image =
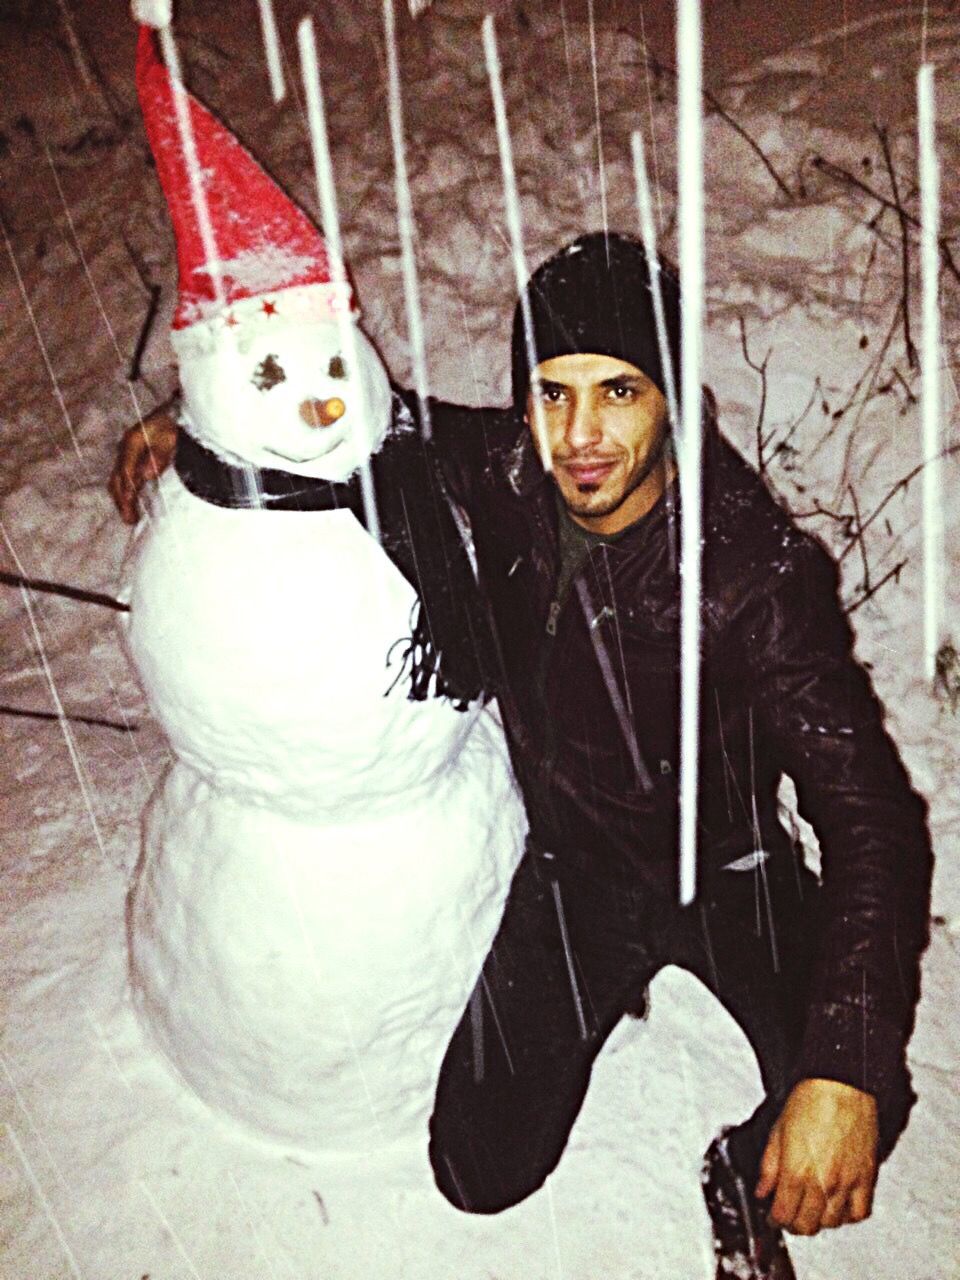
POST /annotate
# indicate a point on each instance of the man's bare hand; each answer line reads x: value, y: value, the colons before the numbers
x: 820, y: 1163
x: 144, y: 452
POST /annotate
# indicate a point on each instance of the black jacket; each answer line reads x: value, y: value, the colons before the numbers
x: 590, y: 696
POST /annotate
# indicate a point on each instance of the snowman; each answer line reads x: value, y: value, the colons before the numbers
x: 324, y: 863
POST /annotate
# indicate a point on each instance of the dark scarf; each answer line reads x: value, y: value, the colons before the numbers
x: 445, y: 650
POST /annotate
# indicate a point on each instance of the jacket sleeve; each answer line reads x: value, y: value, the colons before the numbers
x: 818, y: 709
x: 460, y: 437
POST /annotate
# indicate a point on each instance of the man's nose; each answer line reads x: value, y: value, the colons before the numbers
x: 322, y: 413
x: 583, y: 427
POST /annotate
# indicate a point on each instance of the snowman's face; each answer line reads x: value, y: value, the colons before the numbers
x: 290, y: 397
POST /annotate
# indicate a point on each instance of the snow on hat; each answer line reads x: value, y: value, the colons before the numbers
x: 595, y: 296
x: 269, y: 260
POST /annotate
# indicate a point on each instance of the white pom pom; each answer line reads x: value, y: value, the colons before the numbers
x: 155, y: 13
x: 418, y: 6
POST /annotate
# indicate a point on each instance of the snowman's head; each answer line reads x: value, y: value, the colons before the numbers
x: 289, y: 395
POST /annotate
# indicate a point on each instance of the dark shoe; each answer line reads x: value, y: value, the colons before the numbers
x: 746, y: 1246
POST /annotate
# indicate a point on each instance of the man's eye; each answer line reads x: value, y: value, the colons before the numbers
x: 623, y: 394
x: 552, y: 395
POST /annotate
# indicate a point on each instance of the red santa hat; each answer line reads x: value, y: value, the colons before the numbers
x: 246, y: 254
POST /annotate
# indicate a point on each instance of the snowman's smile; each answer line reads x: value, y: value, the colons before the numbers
x: 306, y: 455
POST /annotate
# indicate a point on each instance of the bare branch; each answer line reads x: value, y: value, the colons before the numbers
x: 858, y: 536
x: 904, y: 246
x: 761, y: 369
x: 714, y: 103
x: 133, y: 373
x: 23, y: 713
x: 902, y: 483
x: 844, y: 175
x: 867, y: 595
x: 62, y: 589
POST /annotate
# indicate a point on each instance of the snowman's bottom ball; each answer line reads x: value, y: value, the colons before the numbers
x: 304, y: 978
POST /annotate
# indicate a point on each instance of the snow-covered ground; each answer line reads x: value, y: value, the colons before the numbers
x: 109, y: 1168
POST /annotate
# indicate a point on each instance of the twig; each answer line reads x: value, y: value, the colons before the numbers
x: 902, y: 483
x: 61, y: 589
x: 133, y: 374
x: 867, y: 595
x: 904, y: 246
x: 911, y: 397
x: 801, y: 418
x: 874, y: 225
x: 761, y: 369
x: 86, y: 65
x: 872, y: 368
x: 858, y: 535
x: 844, y: 175
x: 716, y: 105
x: 838, y: 517
x: 143, y: 274
x: 52, y: 715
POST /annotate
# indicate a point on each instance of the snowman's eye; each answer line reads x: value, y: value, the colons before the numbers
x: 268, y: 373
x: 337, y: 368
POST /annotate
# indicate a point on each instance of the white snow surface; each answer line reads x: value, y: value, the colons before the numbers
x: 111, y: 1168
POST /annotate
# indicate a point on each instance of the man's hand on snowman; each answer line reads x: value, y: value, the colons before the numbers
x: 144, y: 452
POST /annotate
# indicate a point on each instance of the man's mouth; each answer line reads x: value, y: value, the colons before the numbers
x: 589, y: 473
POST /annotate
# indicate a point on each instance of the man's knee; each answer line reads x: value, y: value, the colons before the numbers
x: 476, y: 1177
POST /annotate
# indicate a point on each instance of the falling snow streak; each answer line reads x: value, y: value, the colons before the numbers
x: 556, y: 1233
x: 38, y: 1137
x: 691, y: 243
x: 58, y: 394
x: 79, y: 60
x: 512, y: 208
x: 648, y: 234
x: 165, y: 1222
x: 650, y: 113
x: 54, y: 694
x: 568, y: 954
x: 326, y: 191
x: 405, y: 222
x: 105, y: 1046
x: 15, y: 1141
x: 188, y: 142
x: 90, y: 280
x: 593, y: 621
x: 271, y: 46
x: 253, y: 1228
x: 930, y: 398
x: 601, y: 169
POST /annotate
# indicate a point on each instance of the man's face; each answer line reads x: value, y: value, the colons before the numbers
x: 606, y: 426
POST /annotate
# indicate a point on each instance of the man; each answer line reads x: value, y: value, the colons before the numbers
x: 579, y: 577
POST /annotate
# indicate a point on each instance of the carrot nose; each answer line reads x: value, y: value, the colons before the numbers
x: 322, y: 413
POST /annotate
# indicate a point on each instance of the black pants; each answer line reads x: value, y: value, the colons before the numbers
x: 574, y: 950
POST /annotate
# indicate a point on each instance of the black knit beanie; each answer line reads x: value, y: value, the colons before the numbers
x: 595, y: 296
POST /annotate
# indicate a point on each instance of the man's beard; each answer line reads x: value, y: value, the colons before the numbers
x: 612, y: 504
